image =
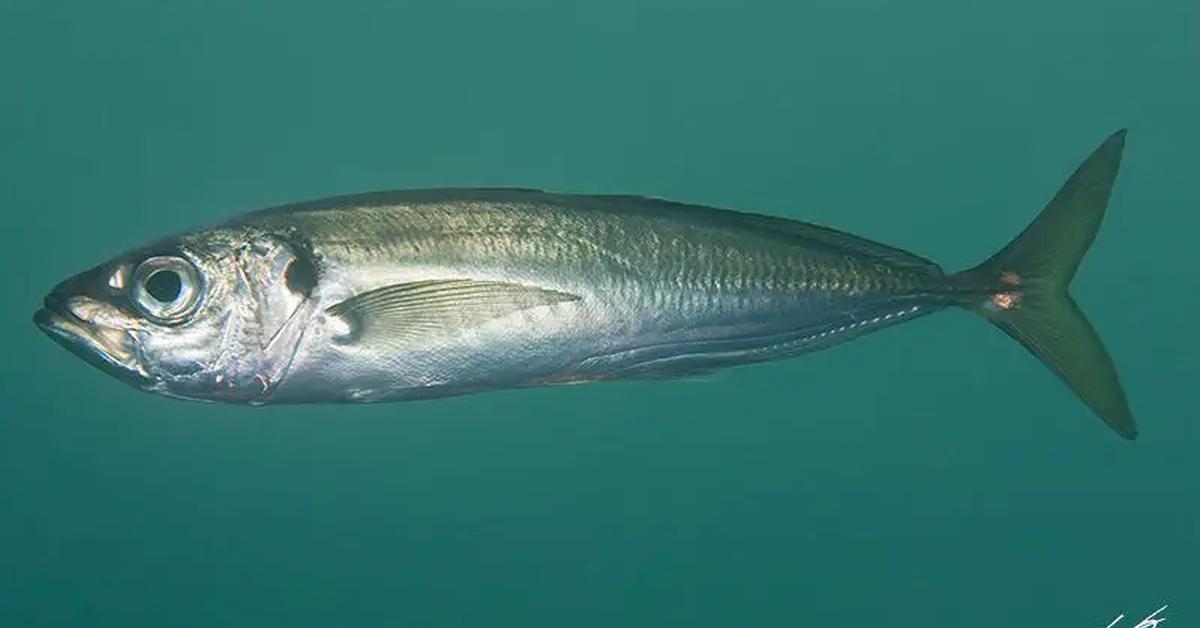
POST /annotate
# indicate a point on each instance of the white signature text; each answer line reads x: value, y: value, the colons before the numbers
x: 1150, y: 622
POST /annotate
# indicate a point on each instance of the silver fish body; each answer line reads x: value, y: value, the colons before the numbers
x: 426, y: 293
x: 650, y: 289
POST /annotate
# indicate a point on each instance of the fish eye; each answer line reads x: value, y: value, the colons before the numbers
x: 166, y: 288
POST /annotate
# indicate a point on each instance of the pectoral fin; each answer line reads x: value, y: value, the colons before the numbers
x: 409, y: 311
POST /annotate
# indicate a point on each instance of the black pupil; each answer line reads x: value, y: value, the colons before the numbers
x: 164, y: 285
x: 301, y: 276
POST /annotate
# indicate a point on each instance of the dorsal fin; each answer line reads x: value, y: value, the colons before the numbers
x: 813, y: 234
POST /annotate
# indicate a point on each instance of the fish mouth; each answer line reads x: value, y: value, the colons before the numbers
x: 108, y: 349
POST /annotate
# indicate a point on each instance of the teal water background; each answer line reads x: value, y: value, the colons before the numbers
x: 929, y: 475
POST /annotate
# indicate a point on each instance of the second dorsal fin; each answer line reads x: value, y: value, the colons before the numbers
x: 813, y: 234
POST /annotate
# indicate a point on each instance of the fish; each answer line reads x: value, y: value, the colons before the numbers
x: 415, y: 294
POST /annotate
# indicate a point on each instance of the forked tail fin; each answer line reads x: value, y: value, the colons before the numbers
x: 1026, y: 288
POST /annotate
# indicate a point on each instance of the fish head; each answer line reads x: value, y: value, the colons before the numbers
x: 212, y: 315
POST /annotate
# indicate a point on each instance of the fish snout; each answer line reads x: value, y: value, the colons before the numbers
x: 90, y: 327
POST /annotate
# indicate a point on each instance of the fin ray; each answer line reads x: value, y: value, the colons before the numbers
x: 404, y: 312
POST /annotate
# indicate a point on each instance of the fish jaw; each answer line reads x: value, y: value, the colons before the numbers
x: 111, y: 349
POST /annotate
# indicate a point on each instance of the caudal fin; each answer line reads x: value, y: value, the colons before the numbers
x: 1026, y: 288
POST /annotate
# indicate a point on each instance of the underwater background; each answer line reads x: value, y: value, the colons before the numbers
x: 933, y: 474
